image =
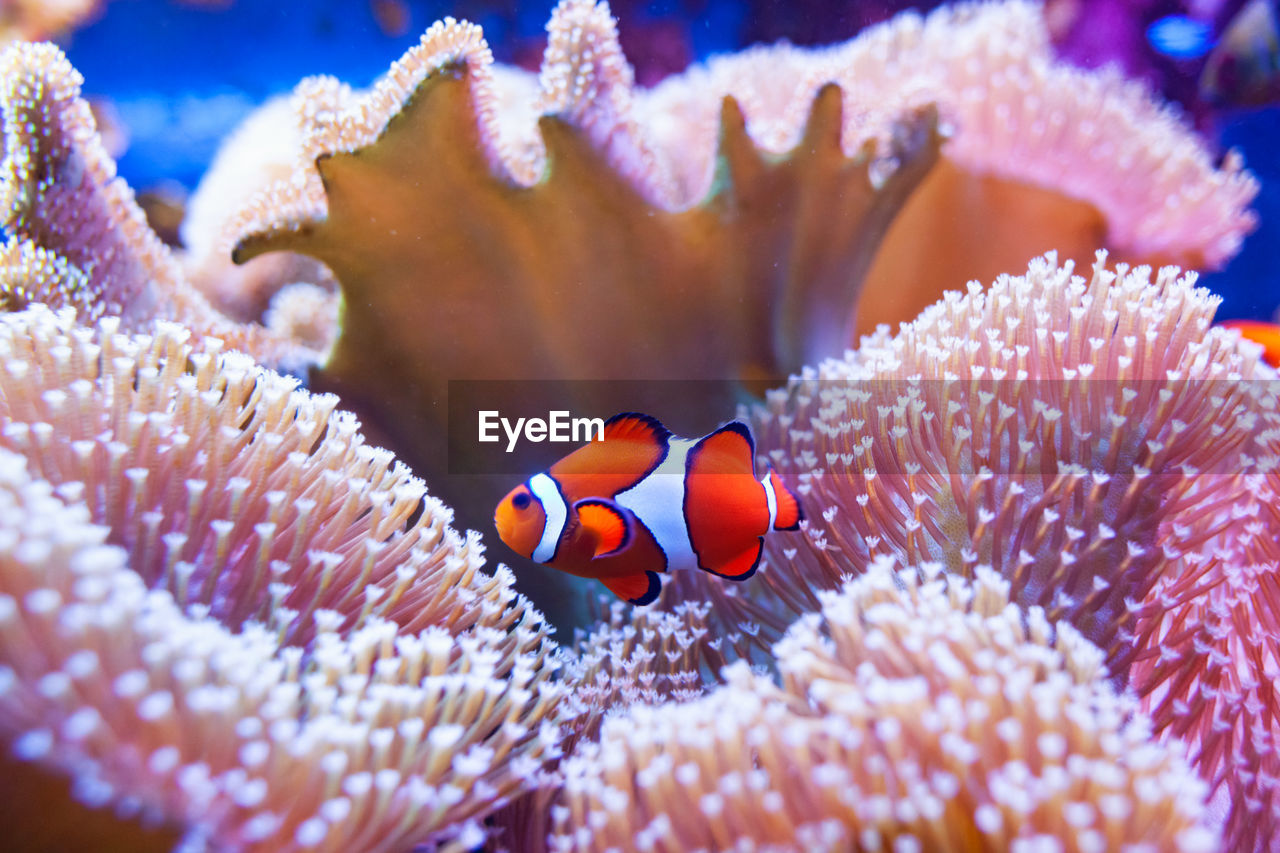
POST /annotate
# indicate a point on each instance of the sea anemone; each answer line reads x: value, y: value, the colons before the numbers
x: 749, y: 196
x: 714, y: 182
x: 636, y: 657
x: 918, y: 711
x: 222, y: 610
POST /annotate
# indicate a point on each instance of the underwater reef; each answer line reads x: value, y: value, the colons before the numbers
x: 1033, y: 604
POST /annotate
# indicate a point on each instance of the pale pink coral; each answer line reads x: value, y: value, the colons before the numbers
x: 1097, y: 443
x: 59, y: 193
x: 261, y: 150
x: 918, y: 711
x: 637, y: 657
x: 1014, y: 112
x: 1044, y: 413
x: 630, y: 658
x: 220, y: 606
x: 1206, y: 645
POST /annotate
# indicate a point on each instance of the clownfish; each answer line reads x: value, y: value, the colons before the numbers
x: 638, y: 501
x: 1260, y: 332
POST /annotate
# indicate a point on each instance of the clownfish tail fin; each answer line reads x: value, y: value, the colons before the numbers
x: 790, y: 513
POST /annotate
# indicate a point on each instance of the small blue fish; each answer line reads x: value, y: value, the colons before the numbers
x: 1181, y: 37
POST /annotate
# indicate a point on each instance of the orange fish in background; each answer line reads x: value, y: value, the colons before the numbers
x: 639, y: 501
x: 1260, y: 332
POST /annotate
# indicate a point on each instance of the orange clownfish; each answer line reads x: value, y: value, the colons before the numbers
x: 1260, y: 332
x: 638, y: 501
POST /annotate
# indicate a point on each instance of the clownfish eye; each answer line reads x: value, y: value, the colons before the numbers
x: 521, y: 501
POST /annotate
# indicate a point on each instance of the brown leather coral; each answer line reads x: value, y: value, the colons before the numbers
x: 472, y: 245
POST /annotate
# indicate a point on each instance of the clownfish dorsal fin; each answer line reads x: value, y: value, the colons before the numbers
x: 726, y: 509
x: 638, y: 588
x: 634, y: 426
x: 631, y: 446
x: 728, y: 450
x: 607, y: 522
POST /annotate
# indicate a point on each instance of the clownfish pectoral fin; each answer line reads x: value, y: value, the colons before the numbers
x: 789, y: 513
x: 609, y: 523
x: 633, y: 426
x: 741, y: 566
x: 639, y: 588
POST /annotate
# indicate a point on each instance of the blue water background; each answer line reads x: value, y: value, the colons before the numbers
x: 182, y: 76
